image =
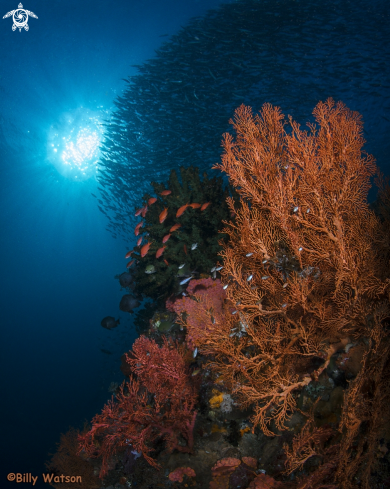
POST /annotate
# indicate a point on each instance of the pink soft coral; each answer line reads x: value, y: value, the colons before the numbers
x: 200, y: 292
x: 178, y: 474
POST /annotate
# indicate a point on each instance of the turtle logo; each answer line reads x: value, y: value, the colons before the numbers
x: 20, y: 17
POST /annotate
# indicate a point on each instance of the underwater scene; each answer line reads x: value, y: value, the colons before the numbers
x: 195, y: 244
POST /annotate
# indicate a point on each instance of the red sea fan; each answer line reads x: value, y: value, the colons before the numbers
x: 133, y: 419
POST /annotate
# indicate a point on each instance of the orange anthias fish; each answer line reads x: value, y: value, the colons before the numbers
x: 204, y: 206
x: 138, y: 212
x: 130, y: 263
x: 139, y: 241
x: 165, y: 238
x: 160, y: 251
x: 137, y: 228
x: 195, y: 205
x: 163, y: 215
x: 164, y: 193
x: 144, y: 211
x: 166, y: 263
x: 174, y: 228
x: 152, y: 200
x: 128, y: 254
x: 181, y: 210
x: 185, y: 249
x: 145, y: 249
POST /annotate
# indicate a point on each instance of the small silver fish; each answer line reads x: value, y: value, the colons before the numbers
x: 296, y: 209
x: 249, y: 278
x: 185, y: 280
x: 225, y: 286
x: 195, y: 352
x: 136, y: 454
x: 249, y: 254
x: 181, y: 266
x: 264, y: 277
x: 218, y: 269
x: 194, y: 246
x: 284, y: 305
x: 300, y: 248
x: 234, y: 312
x: 213, y: 270
x: 285, y: 285
x: 264, y: 261
x: 308, y: 210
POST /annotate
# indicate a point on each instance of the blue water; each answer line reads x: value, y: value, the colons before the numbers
x: 58, y: 262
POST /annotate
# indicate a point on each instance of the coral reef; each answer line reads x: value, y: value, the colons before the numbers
x: 193, y: 247
x: 157, y: 403
x: 283, y: 360
x: 304, y: 204
x: 66, y: 461
x: 178, y: 474
x: 191, y: 311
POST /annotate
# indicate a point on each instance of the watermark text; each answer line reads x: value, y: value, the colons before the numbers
x: 48, y: 478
